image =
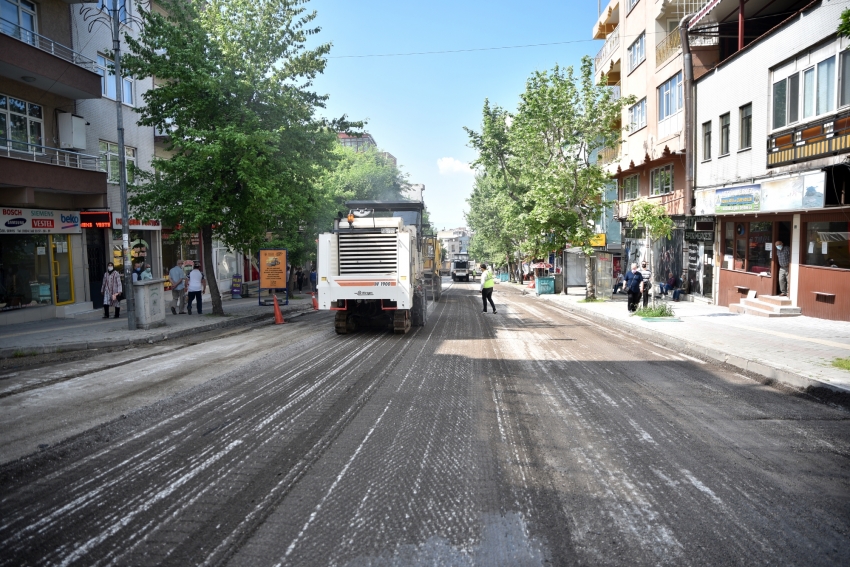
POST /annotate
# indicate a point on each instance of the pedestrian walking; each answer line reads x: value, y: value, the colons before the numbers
x: 197, y: 288
x: 178, y: 288
x: 299, y: 279
x: 633, y: 279
x: 646, y: 274
x: 487, y: 283
x: 618, y: 282
x: 112, y: 291
x: 314, y: 280
x: 783, y: 256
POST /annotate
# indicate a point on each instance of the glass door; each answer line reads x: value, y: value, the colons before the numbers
x: 706, y: 250
x: 63, y: 278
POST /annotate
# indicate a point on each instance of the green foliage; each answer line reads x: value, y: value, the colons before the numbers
x: 544, y: 158
x: 842, y: 363
x: 844, y: 24
x: 652, y: 217
x: 660, y: 310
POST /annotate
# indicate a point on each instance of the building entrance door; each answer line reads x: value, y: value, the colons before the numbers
x: 96, y: 253
x: 706, y: 251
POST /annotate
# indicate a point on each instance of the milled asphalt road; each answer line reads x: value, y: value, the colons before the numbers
x: 530, y: 437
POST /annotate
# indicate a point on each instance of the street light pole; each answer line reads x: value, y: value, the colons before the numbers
x: 122, y: 170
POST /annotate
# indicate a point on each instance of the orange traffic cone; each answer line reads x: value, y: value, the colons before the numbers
x: 278, y: 317
x: 315, y: 301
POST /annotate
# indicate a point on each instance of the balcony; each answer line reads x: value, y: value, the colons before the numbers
x: 667, y: 47
x: 42, y: 63
x: 50, y: 169
x: 609, y: 155
x: 609, y: 48
x: 818, y: 139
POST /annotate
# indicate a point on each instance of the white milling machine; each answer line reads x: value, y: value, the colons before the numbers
x: 370, y: 268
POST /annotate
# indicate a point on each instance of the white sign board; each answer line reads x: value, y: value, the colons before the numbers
x: 38, y: 221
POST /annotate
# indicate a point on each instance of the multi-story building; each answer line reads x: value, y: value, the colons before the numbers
x: 53, y: 189
x: 773, y: 126
x: 93, y: 33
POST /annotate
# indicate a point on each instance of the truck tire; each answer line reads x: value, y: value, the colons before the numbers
x: 420, y: 310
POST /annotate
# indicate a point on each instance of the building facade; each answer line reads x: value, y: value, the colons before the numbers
x: 773, y: 124
x: 51, y: 176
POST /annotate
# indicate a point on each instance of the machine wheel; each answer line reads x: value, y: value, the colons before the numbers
x: 341, y: 322
x: 419, y: 312
x: 401, y: 321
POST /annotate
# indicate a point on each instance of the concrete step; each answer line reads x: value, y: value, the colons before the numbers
x: 779, y: 300
x: 758, y: 304
x: 769, y: 312
x: 737, y: 308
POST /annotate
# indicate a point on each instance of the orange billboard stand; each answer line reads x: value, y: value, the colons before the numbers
x: 272, y: 267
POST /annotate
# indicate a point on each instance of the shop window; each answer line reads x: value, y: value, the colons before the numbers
x: 759, y: 247
x: 827, y: 244
x: 735, y: 251
x: 25, y: 271
x: 63, y: 276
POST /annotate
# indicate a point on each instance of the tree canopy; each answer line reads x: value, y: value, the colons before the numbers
x: 545, y: 158
x: 234, y: 92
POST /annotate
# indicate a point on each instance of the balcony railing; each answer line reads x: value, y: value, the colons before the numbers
x: 51, y: 156
x: 609, y: 155
x: 612, y: 43
x: 668, y: 46
x: 818, y: 139
x: 46, y: 45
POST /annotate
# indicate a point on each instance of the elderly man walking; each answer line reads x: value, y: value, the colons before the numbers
x: 178, y: 287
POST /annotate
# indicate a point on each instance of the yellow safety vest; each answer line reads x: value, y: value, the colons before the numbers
x: 487, y: 277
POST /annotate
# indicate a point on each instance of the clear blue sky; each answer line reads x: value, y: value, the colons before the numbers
x: 417, y: 105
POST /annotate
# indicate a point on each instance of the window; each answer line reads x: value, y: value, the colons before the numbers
x: 630, y: 188
x: 123, y: 8
x: 637, y: 52
x: 812, y: 92
x: 21, y: 125
x: 107, y: 81
x: 706, y: 141
x: 758, y: 255
x: 661, y: 180
x: 631, y: 4
x: 844, y: 73
x: 20, y: 20
x: 670, y: 97
x: 109, y: 161
x: 745, y: 135
x: 724, y: 134
x: 637, y: 115
x: 827, y: 244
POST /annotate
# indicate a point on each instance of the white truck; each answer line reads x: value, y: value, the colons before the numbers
x: 370, y: 268
x: 461, y: 268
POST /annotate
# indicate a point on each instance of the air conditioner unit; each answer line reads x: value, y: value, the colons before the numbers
x: 72, y: 131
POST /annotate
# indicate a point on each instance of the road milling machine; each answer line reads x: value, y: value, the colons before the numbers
x: 431, y: 267
x: 371, y: 267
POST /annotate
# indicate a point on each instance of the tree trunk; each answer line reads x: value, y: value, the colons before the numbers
x: 589, y: 278
x: 209, y: 271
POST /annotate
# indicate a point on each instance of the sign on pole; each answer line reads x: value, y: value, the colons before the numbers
x: 273, y: 271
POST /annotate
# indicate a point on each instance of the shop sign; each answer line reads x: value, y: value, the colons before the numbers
x: 38, y: 221
x: 95, y: 219
x: 793, y: 193
x: 598, y: 240
x: 699, y: 223
x: 273, y: 268
x: 136, y: 224
x: 738, y: 199
x: 699, y: 235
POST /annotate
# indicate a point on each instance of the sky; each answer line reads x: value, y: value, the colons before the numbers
x: 417, y: 105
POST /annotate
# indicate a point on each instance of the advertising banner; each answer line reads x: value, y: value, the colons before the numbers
x: 792, y: 193
x: 273, y: 268
x: 136, y: 224
x: 39, y: 221
x: 738, y: 199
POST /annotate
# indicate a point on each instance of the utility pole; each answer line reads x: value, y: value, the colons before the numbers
x: 122, y: 169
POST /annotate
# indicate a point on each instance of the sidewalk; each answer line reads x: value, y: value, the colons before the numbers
x: 797, y: 351
x: 92, y: 331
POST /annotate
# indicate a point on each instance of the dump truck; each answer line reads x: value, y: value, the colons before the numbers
x: 370, y: 268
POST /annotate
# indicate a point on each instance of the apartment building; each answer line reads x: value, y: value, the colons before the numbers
x: 53, y: 190
x: 773, y: 127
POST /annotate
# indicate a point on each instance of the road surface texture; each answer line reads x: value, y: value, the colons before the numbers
x: 529, y: 437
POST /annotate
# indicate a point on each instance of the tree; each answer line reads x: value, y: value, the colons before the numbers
x: 844, y: 24
x: 656, y: 224
x: 234, y: 79
x: 546, y: 155
x: 495, y: 220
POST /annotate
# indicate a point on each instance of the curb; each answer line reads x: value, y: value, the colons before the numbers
x: 150, y: 339
x: 771, y: 373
